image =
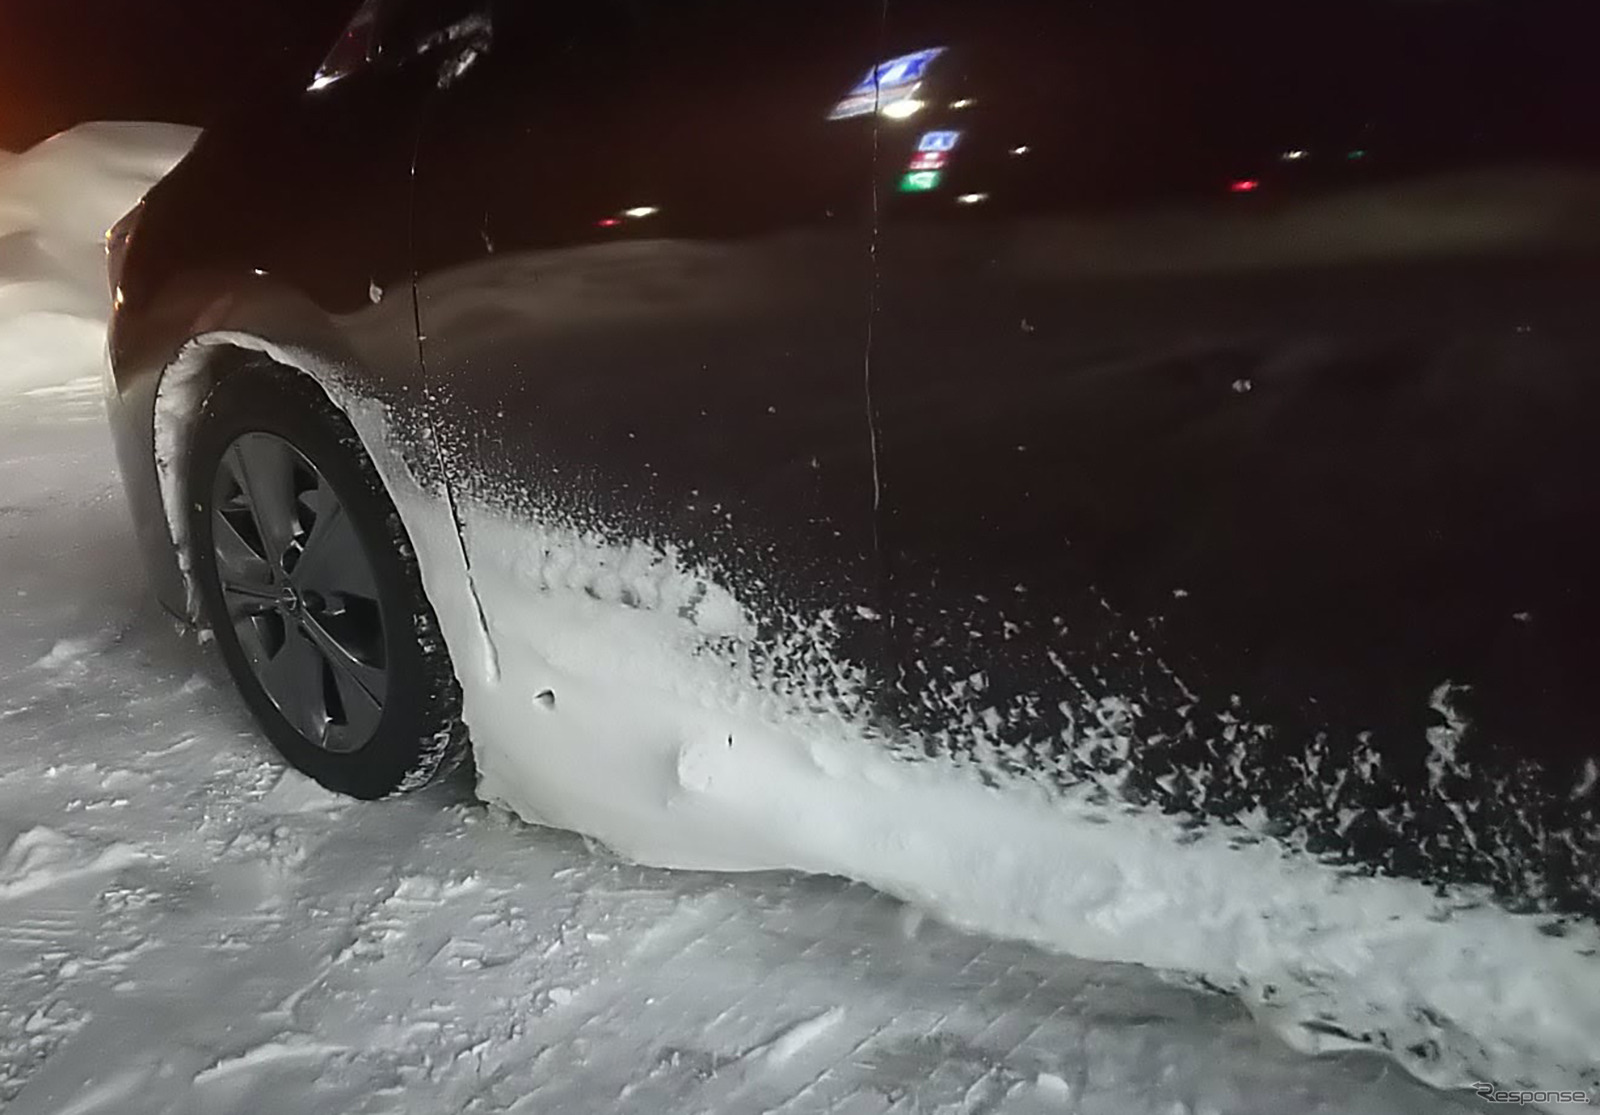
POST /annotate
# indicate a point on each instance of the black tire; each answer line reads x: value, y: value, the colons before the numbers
x: 418, y: 734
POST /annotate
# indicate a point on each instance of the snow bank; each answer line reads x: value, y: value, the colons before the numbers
x: 56, y: 201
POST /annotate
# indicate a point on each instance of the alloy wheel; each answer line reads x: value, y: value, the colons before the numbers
x: 300, y: 591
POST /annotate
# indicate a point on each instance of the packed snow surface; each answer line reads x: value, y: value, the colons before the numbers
x: 185, y: 926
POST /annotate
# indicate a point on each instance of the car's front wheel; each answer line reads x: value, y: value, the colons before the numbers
x: 310, y: 584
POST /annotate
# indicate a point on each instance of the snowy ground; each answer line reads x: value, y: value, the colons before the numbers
x: 187, y: 927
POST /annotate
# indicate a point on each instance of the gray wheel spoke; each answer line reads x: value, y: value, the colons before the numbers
x: 237, y: 563
x: 333, y: 561
x: 362, y: 712
x: 293, y: 679
x: 248, y: 627
x: 248, y: 600
x: 264, y: 470
x: 371, y: 680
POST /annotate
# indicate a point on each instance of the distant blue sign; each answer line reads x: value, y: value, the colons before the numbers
x: 899, y: 71
x: 938, y: 141
x: 885, y: 83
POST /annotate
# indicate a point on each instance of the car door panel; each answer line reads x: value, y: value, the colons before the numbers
x: 1236, y: 423
x: 643, y: 283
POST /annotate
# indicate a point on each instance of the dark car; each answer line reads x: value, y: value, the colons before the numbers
x: 1186, y: 406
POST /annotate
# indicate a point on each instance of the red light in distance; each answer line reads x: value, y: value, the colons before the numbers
x: 1244, y: 185
x: 609, y: 222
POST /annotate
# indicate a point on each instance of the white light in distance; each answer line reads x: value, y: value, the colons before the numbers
x: 903, y: 108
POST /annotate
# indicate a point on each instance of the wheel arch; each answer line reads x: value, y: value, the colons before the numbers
x: 168, y: 353
x: 203, y: 362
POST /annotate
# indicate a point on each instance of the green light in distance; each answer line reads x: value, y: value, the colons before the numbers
x: 919, y: 182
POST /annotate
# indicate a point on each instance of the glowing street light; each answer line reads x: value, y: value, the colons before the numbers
x: 902, y: 109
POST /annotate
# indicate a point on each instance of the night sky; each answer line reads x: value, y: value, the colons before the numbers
x: 66, y: 61
x: 63, y: 62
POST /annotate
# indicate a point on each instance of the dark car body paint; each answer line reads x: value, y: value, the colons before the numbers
x: 242, y: 237
x: 694, y: 376
x: 1300, y: 475
x: 1289, y: 486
